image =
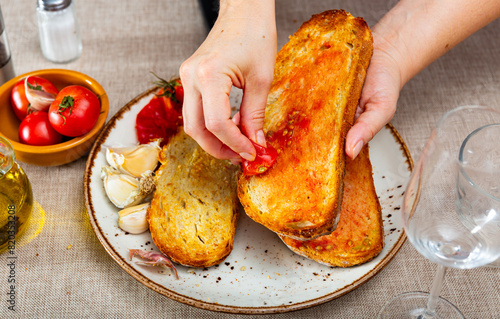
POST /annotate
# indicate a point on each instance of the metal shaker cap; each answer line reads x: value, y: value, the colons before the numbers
x: 53, y: 5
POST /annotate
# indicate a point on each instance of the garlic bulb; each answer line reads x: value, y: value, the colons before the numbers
x: 123, y: 190
x: 134, y: 160
x: 133, y: 219
x: 39, y: 99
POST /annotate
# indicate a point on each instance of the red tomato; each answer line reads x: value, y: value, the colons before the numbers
x: 35, y: 129
x: 75, y: 111
x: 18, y: 99
x: 162, y: 116
x: 179, y: 95
x: 265, y: 158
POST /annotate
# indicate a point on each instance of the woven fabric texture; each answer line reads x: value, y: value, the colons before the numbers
x: 65, y: 272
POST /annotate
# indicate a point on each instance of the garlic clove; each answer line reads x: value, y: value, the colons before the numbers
x: 133, y: 219
x: 122, y: 190
x: 38, y: 98
x: 134, y: 160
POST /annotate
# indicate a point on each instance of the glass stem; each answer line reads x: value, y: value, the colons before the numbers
x: 437, y: 285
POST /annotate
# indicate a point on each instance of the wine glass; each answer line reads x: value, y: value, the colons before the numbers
x: 451, y: 208
x: 478, y: 181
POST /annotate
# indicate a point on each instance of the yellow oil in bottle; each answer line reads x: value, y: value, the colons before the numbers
x: 16, y: 202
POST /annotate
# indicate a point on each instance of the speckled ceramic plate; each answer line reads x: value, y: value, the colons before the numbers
x: 261, y: 275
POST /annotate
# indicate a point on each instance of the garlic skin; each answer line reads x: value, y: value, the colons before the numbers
x: 39, y: 99
x: 134, y: 160
x: 133, y: 219
x: 123, y: 190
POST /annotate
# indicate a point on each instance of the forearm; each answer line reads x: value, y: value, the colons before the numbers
x: 262, y: 11
x: 415, y: 33
x: 247, y: 8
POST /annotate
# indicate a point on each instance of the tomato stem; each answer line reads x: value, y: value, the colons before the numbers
x: 67, y: 102
x: 167, y: 86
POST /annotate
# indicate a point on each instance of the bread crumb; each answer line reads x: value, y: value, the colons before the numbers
x: 69, y: 247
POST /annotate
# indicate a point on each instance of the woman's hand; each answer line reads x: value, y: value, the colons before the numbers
x: 378, y: 101
x: 408, y: 38
x: 239, y: 51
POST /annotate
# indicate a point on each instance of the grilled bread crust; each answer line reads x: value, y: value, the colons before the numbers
x: 194, y: 210
x: 359, y: 236
x: 317, y: 83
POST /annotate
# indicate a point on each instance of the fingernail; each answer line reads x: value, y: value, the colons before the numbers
x: 247, y: 156
x: 235, y: 161
x: 261, y: 138
x: 357, y: 148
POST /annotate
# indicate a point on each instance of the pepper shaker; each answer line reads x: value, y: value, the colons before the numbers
x: 6, y: 66
x: 59, y: 32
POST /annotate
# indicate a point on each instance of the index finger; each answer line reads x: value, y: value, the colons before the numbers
x: 217, y: 114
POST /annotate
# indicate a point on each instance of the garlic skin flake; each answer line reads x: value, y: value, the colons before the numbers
x: 38, y: 99
x: 123, y: 190
x: 133, y: 219
x: 134, y: 160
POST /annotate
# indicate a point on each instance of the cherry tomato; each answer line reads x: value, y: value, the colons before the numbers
x: 264, y: 159
x: 35, y: 129
x: 162, y: 116
x: 75, y: 111
x: 18, y: 100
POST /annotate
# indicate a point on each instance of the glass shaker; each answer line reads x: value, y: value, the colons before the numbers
x: 6, y: 66
x: 16, y: 197
x: 58, y: 29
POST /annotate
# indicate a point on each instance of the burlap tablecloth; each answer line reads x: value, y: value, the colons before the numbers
x: 64, y: 272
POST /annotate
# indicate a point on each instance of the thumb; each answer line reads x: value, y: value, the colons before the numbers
x: 252, y: 111
x: 368, y: 124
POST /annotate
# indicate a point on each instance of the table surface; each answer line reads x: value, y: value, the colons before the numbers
x: 64, y: 272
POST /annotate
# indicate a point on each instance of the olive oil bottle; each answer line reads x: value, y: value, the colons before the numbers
x: 16, y: 197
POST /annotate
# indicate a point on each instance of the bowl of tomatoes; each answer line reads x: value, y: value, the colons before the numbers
x: 52, y: 116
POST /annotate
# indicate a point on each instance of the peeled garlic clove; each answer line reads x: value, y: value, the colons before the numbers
x: 134, y: 160
x: 123, y: 190
x: 38, y: 98
x: 133, y: 219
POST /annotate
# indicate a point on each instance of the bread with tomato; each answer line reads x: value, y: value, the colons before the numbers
x: 359, y: 236
x: 317, y: 84
x: 194, y: 210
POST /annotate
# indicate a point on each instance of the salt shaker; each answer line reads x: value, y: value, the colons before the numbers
x: 59, y: 31
x: 6, y: 67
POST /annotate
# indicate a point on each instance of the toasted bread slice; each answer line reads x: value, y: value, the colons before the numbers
x: 317, y: 83
x: 194, y: 210
x: 359, y: 236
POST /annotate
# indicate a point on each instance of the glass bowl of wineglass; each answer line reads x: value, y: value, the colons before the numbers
x: 451, y: 207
